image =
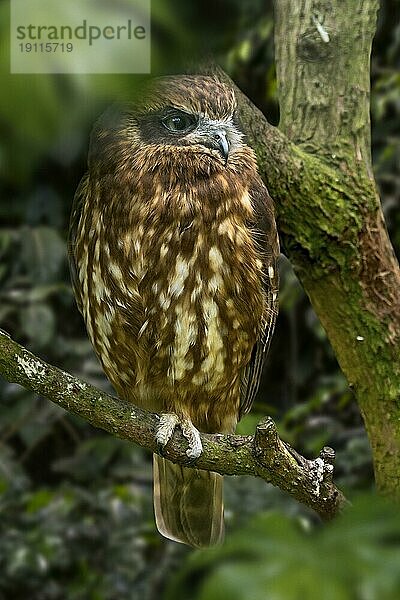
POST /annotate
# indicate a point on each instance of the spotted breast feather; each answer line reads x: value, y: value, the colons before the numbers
x: 173, y: 256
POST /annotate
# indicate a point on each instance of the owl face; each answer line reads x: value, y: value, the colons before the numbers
x: 202, y: 118
x: 183, y: 127
x: 175, y: 126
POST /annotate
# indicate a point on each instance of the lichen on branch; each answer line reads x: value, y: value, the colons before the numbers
x: 264, y: 455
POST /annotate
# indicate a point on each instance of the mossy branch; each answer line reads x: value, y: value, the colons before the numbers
x: 263, y: 455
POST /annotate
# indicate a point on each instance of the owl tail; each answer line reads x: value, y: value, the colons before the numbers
x: 188, y: 504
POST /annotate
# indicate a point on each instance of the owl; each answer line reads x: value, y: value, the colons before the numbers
x: 173, y: 249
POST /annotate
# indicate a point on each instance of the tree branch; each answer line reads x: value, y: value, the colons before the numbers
x: 265, y: 455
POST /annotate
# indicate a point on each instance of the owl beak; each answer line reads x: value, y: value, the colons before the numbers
x: 222, y: 142
x: 215, y: 138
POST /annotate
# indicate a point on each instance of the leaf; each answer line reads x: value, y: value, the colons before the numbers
x: 90, y: 460
x: 39, y: 500
x: 356, y: 556
x: 38, y: 324
x: 43, y: 252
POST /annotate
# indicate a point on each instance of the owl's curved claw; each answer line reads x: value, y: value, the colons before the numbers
x: 193, y: 437
x: 166, y: 427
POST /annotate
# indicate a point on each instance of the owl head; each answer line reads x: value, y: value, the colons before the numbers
x: 177, y: 125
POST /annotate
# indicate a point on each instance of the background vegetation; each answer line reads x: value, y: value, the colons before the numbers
x: 76, y: 514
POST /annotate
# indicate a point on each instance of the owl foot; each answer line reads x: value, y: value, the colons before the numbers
x: 165, y: 429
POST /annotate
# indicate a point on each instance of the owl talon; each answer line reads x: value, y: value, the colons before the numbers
x: 193, y: 437
x: 165, y: 430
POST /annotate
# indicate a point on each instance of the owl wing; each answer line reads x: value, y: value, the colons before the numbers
x: 266, y: 239
x: 76, y: 212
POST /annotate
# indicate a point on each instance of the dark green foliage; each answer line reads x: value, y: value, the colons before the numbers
x: 281, y: 558
x: 75, y: 504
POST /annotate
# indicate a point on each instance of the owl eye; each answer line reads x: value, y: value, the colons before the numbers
x: 179, y: 122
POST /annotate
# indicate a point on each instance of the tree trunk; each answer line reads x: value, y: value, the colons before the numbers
x: 328, y: 207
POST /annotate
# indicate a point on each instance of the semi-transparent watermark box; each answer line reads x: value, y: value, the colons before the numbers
x: 80, y: 36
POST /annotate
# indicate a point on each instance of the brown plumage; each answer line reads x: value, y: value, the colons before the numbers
x: 173, y: 255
